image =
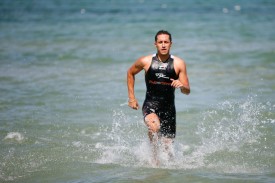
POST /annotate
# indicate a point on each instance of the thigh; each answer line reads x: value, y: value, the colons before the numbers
x: 151, y: 117
x: 152, y: 122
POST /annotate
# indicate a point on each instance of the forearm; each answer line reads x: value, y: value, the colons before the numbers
x: 132, y: 102
x: 130, y: 84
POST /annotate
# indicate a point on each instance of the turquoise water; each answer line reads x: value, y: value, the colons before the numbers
x: 63, y: 110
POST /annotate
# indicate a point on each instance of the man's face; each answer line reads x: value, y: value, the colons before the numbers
x: 163, y: 44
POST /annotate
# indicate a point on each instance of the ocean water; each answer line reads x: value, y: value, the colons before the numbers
x: 63, y: 94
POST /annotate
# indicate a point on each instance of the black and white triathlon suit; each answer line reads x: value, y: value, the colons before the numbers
x: 160, y: 94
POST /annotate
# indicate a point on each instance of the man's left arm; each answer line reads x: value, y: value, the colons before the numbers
x: 184, y: 79
x: 182, y: 82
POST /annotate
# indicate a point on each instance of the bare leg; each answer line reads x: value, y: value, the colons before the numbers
x: 154, y: 145
x: 153, y: 124
x: 167, y: 145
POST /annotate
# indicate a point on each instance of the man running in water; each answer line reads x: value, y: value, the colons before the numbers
x: 163, y: 73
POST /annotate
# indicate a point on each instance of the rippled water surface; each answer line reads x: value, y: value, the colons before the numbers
x: 63, y: 94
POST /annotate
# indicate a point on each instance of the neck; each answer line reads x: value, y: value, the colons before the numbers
x: 163, y: 58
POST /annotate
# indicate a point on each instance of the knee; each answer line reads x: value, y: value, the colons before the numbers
x: 152, y: 122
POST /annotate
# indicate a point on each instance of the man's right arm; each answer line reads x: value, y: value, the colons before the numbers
x: 132, y: 71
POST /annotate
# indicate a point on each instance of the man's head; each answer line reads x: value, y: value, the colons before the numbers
x: 163, y: 32
x: 163, y: 42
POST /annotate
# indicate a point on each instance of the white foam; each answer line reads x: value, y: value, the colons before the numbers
x: 14, y: 136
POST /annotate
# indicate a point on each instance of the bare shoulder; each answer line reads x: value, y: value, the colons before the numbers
x: 144, y: 61
x: 179, y: 63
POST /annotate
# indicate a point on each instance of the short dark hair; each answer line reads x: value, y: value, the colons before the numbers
x: 163, y: 32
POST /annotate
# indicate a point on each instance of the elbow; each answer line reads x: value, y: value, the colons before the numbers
x: 129, y: 72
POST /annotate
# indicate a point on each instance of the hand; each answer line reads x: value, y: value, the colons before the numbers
x: 133, y: 104
x: 176, y: 83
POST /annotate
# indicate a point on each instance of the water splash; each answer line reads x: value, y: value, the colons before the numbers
x: 230, y: 126
x: 233, y: 138
x: 124, y: 143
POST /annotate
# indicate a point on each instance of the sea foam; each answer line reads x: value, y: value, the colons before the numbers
x: 14, y: 136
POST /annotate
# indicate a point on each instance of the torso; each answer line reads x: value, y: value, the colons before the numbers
x: 158, y: 79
